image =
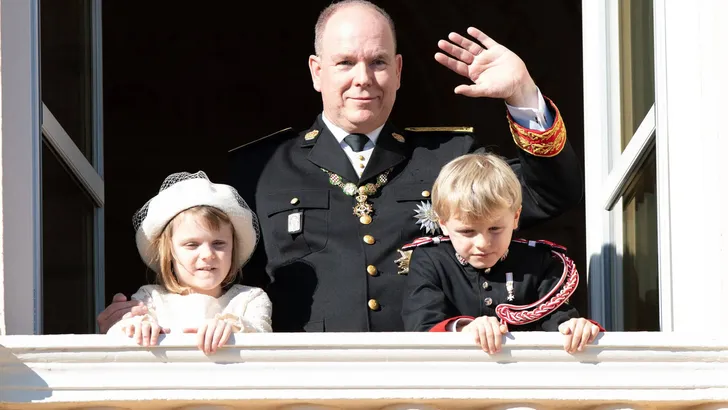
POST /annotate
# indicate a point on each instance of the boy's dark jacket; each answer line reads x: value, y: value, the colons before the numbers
x: 440, y: 288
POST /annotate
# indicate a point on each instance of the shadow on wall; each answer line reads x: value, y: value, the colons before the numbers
x: 15, y: 373
x: 631, y: 297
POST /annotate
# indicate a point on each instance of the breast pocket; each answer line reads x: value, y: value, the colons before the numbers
x: 410, y: 198
x: 297, y: 222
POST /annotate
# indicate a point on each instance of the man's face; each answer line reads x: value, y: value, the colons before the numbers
x: 358, y: 72
x: 482, y: 242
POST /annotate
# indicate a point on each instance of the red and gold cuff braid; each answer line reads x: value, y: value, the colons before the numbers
x: 521, y: 315
x: 547, y: 143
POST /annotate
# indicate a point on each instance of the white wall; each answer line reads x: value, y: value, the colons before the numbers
x: 692, y: 82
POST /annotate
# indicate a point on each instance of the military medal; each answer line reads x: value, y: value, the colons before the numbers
x: 509, y: 286
x: 427, y: 218
x: 362, y: 208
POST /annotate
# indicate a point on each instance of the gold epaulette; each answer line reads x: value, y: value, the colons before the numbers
x: 283, y: 131
x: 440, y: 129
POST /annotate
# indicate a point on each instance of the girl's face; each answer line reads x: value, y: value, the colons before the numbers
x: 202, y: 257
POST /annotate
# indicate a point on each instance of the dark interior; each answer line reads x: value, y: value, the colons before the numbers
x: 185, y: 82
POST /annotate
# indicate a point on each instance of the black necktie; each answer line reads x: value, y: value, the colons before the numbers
x: 356, y: 141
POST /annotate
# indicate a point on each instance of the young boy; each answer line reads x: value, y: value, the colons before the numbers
x: 467, y: 280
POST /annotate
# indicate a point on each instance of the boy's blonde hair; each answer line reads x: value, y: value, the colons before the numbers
x: 475, y: 186
x: 212, y: 219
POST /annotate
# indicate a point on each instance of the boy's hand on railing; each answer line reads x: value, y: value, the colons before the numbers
x: 579, y: 332
x: 488, y: 332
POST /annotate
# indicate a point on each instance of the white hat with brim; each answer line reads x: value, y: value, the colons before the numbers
x: 183, y: 191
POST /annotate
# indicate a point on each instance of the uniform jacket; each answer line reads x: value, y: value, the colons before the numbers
x: 326, y: 277
x: 440, y: 287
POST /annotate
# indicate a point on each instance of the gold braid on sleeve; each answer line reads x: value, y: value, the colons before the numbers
x: 546, y: 143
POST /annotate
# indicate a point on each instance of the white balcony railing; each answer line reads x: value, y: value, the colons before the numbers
x: 383, y: 371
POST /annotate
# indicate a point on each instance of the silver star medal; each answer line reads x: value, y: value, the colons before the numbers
x: 426, y: 218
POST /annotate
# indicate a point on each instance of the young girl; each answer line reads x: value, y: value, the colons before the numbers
x: 196, y: 236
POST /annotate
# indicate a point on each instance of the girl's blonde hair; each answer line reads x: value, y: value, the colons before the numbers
x: 212, y: 219
x: 474, y: 187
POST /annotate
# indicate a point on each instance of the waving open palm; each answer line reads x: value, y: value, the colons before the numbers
x: 494, y: 70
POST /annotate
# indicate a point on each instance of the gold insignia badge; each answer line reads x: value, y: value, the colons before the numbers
x: 440, y: 129
x: 311, y: 135
x: 398, y: 137
x: 403, y: 261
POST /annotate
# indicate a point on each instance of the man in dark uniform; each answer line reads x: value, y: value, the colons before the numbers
x: 337, y: 201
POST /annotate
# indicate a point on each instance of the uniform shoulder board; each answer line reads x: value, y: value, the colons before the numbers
x: 468, y: 130
x: 424, y: 241
x: 542, y: 244
x: 280, y: 133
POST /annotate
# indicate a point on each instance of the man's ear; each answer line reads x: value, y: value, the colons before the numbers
x: 314, y: 65
x: 444, y: 228
x: 398, y: 62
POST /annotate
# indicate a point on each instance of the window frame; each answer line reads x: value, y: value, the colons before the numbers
x: 89, y: 174
x: 21, y: 144
x: 611, y: 168
x: 26, y: 124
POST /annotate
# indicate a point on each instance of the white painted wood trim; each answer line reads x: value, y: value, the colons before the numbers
x: 20, y: 167
x: 662, y: 152
x: 629, y: 162
x: 597, y: 130
x: 72, y: 157
x: 386, y: 368
x: 613, y: 142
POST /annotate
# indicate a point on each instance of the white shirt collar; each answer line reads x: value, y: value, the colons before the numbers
x: 340, y: 134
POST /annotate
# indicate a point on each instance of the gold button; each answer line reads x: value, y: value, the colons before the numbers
x: 361, y: 165
x: 485, y: 285
x: 372, y: 270
x: 426, y: 194
x: 294, y: 201
x: 488, y: 301
x: 361, y: 157
x: 365, y: 219
x: 373, y: 304
x: 368, y: 239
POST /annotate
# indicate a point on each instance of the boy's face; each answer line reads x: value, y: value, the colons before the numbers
x: 482, y: 242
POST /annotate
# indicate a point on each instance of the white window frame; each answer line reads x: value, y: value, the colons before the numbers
x: 20, y: 165
x: 610, y: 168
x: 89, y: 174
x: 26, y: 123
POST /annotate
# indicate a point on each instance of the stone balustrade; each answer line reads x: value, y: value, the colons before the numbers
x: 389, y: 371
